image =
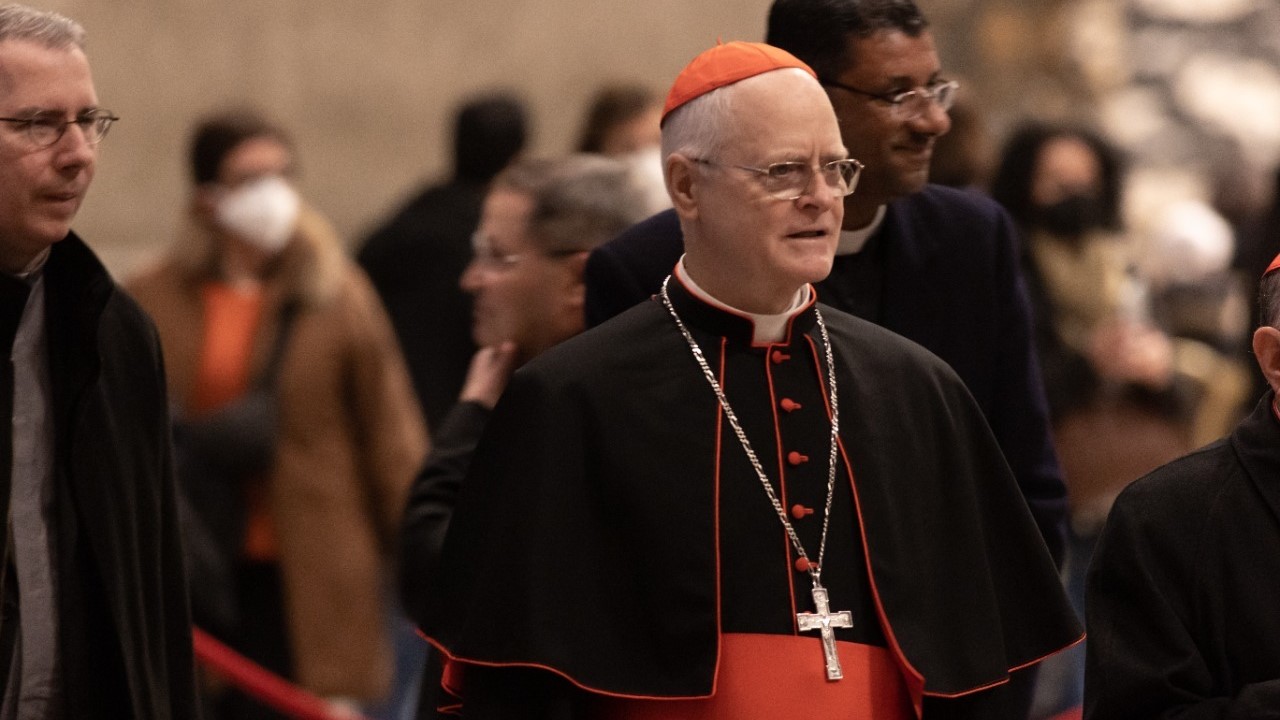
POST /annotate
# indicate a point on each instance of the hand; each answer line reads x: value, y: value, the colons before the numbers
x: 1128, y: 351
x: 491, y: 368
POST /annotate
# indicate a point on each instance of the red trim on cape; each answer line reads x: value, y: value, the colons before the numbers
x: 715, y: 495
x: 788, y: 551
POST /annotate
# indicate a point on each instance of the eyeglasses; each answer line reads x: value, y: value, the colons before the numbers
x: 910, y: 104
x: 484, y: 255
x: 790, y: 180
x: 47, y: 128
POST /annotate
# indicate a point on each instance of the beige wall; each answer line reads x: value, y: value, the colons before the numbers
x: 367, y: 87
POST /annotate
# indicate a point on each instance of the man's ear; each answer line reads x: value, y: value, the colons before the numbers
x: 1266, y: 349
x: 682, y: 184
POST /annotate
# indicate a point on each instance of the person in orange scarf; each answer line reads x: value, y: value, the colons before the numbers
x: 258, y: 298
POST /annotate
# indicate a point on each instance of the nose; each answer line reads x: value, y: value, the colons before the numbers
x: 472, y: 278
x: 73, y: 150
x: 819, y: 193
x: 933, y: 120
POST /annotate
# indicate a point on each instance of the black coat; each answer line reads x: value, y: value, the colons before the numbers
x: 942, y: 270
x: 415, y: 261
x: 125, y: 625
x: 585, y: 538
x: 1184, y: 590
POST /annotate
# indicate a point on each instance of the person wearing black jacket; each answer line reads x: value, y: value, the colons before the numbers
x: 1182, y: 588
x: 95, y: 619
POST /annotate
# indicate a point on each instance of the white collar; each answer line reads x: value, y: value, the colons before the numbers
x: 768, y: 328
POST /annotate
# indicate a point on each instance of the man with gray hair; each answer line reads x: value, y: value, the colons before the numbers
x: 94, y: 622
x: 731, y: 501
x: 539, y: 220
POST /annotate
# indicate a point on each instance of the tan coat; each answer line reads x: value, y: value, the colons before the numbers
x: 351, y: 440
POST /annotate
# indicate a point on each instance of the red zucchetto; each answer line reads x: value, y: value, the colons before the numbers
x: 725, y: 64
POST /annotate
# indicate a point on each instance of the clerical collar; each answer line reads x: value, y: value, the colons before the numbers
x: 767, y: 328
x: 852, y: 241
x: 35, y: 266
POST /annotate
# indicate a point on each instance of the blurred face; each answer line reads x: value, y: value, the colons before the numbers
x: 746, y: 247
x: 896, y: 151
x: 1066, y: 166
x: 522, y: 294
x: 638, y: 133
x: 41, y: 188
x: 253, y: 159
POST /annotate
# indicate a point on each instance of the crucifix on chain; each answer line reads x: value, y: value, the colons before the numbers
x: 824, y: 621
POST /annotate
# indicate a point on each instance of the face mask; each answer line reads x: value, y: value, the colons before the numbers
x: 1072, y: 216
x: 263, y: 212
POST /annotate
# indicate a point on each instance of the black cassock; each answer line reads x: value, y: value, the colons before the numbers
x: 611, y: 527
x: 1184, y: 590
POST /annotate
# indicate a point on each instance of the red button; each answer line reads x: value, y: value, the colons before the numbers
x: 798, y: 511
x: 796, y: 458
x: 779, y: 357
x: 789, y: 405
x: 803, y: 565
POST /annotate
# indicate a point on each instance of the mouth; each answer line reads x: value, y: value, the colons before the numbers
x: 808, y: 234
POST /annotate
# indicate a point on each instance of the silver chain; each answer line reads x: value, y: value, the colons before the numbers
x: 815, y: 571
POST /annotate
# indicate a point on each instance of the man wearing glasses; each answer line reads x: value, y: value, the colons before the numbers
x: 94, y: 619
x: 732, y: 501
x: 933, y: 264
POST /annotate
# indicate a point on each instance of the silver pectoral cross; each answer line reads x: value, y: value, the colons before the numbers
x: 824, y: 621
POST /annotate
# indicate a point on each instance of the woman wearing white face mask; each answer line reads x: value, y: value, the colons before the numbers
x: 269, y: 330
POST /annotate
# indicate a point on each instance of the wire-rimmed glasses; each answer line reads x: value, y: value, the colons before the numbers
x: 44, y: 129
x: 791, y: 180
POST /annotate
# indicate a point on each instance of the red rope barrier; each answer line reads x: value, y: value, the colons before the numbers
x: 262, y: 684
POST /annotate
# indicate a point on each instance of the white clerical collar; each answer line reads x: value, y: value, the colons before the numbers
x: 36, y: 265
x: 768, y: 328
x: 852, y: 241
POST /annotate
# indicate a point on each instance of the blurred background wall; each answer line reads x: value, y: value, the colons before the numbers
x: 1190, y: 88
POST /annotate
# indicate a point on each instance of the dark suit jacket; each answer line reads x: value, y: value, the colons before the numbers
x: 415, y: 261
x: 947, y: 276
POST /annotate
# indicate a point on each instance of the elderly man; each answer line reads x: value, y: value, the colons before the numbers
x: 95, y: 621
x: 732, y: 502
x: 936, y: 265
x: 1183, y: 586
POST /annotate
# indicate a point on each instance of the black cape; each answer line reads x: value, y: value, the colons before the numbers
x: 585, y: 539
x: 1184, y: 588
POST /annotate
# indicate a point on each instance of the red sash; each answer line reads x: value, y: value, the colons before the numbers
x: 776, y: 677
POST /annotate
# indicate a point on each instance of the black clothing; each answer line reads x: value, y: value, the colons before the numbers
x: 431, y: 502
x: 1184, y: 583
x: 125, y: 629
x: 415, y: 261
x: 607, y: 530
x: 942, y: 270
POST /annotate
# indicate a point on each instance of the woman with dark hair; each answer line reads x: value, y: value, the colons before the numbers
x: 1109, y: 372
x: 296, y: 430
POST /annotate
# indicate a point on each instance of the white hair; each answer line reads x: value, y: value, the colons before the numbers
x: 54, y: 31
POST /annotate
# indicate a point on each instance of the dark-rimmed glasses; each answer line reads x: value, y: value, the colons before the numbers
x: 909, y: 104
x: 44, y: 129
x: 790, y: 180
